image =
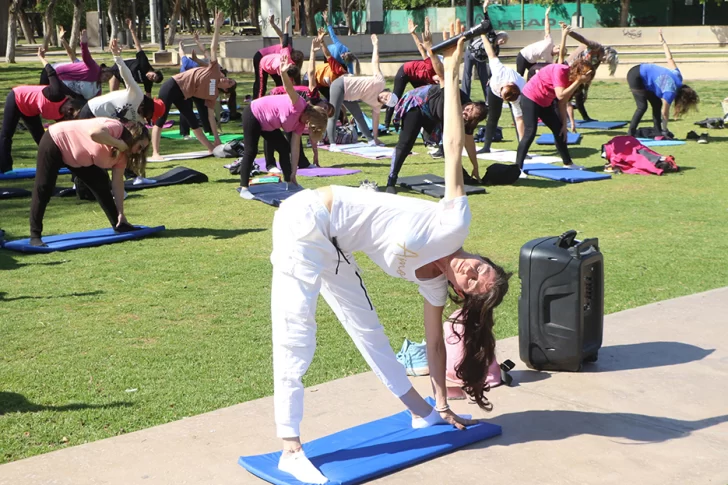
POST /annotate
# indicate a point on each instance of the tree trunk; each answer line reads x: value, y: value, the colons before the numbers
x: 310, y: 12
x: 49, y: 24
x: 348, y: 14
x: 186, y: 15
x: 624, y: 14
x: 24, y: 22
x: 132, y: 15
x: 205, y: 16
x: 76, y: 25
x: 255, y: 13
x: 113, y: 19
x: 173, y: 22
x: 12, y: 32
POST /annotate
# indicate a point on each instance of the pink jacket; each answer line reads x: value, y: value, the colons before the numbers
x: 627, y: 154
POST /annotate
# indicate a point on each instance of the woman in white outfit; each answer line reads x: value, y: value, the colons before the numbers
x: 315, y: 233
x: 541, y: 51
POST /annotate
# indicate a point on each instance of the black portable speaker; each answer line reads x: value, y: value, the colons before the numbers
x: 561, y: 308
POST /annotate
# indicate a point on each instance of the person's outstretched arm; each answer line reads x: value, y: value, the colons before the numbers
x: 69, y: 52
x: 565, y: 31
x: 412, y: 27
x: 668, y: 55
x: 546, y: 23
x: 133, y: 90
x: 272, y: 23
x: 375, y: 55
x: 86, y: 54
x: 324, y: 49
x: 453, y: 125
x: 219, y: 19
x: 315, y: 44
x: 132, y: 30
x: 56, y: 90
x: 287, y: 83
x: 427, y: 42
x: 200, y: 45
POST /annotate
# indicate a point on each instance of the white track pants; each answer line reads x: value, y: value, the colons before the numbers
x: 306, y: 263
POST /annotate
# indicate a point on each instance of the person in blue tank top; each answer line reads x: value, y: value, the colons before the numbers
x: 660, y: 87
x: 339, y: 51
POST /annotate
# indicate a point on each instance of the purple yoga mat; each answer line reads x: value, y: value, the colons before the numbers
x: 313, y: 171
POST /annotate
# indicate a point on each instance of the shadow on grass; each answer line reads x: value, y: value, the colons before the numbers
x: 205, y: 232
x: 539, y: 183
x: 46, y: 297
x: 11, y: 402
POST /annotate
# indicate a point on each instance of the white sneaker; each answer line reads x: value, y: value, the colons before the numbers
x: 334, y: 148
x: 275, y: 170
x: 188, y: 138
x: 246, y: 194
x: 523, y: 175
x: 142, y: 180
x: 574, y: 166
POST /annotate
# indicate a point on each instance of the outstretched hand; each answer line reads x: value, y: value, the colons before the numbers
x: 129, y: 24
x: 84, y: 37
x: 41, y: 53
x: 454, y: 54
x: 659, y: 33
x: 61, y: 31
x: 325, y: 16
x: 115, y: 48
x: 485, y: 6
x: 219, y: 19
x: 375, y: 39
x: 321, y: 34
x: 285, y: 63
x: 316, y: 43
x: 411, y: 26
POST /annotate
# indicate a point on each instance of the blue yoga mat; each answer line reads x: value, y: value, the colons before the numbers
x: 649, y: 142
x: 562, y: 174
x: 371, y: 450
x: 75, y: 240
x: 600, y: 125
x: 274, y: 194
x: 370, y: 125
x: 26, y: 173
x: 548, y: 139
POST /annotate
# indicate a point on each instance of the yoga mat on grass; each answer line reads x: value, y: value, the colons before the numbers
x: 562, y: 174
x: 174, y: 135
x: 509, y: 156
x: 26, y: 173
x: 433, y: 185
x: 75, y: 240
x: 273, y: 194
x: 370, y: 125
x: 312, y: 171
x: 363, y: 150
x: 182, y: 156
x: 372, y: 450
x: 649, y: 142
x: 176, y: 176
x: 595, y: 125
x: 168, y: 124
x: 548, y: 139
x: 14, y: 193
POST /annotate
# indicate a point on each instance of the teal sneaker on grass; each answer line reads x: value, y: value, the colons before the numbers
x: 414, y: 358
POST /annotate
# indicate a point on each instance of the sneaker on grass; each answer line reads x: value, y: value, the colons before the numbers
x: 413, y: 357
x: 438, y: 154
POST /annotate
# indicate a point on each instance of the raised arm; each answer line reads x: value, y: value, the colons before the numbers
x: 375, y: 55
x: 287, y: 83
x: 453, y: 125
x: 135, y: 92
x: 272, y: 23
x: 565, y: 31
x: 219, y: 19
x: 668, y: 55
x: 132, y: 30
x: 412, y: 27
x: 427, y: 42
x: 546, y: 23
x: 322, y: 44
x: 85, y: 54
x: 200, y: 45
x: 315, y: 44
x: 69, y: 52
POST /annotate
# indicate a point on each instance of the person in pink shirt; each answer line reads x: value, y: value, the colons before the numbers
x: 84, y: 78
x: 88, y: 148
x: 555, y: 82
x: 271, y: 117
x: 32, y: 104
x: 266, y: 62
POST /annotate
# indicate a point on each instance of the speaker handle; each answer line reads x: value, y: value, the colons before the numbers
x: 585, y: 245
x: 566, y: 239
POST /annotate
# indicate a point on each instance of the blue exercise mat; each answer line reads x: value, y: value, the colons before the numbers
x: 371, y: 450
x: 562, y: 174
x: 548, y: 139
x: 649, y: 142
x: 370, y: 124
x: 26, y: 173
x: 75, y: 240
x: 600, y: 125
x: 273, y: 194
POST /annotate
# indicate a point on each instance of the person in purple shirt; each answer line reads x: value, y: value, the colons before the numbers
x: 84, y: 78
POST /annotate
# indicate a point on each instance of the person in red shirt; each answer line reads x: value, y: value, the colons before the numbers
x: 32, y: 104
x: 417, y: 73
x: 88, y: 148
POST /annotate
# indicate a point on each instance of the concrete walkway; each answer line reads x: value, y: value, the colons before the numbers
x: 653, y: 410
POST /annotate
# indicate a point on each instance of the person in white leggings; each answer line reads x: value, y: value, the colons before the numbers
x: 315, y: 233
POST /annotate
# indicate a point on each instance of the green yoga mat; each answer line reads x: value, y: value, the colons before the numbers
x: 174, y: 135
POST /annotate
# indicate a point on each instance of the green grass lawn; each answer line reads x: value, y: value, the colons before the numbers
x: 104, y: 341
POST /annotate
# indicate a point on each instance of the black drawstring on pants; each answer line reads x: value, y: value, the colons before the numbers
x: 340, y: 253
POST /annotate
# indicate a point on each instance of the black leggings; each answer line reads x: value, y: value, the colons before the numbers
x: 578, y: 102
x: 642, y: 96
x: 252, y: 131
x: 270, y: 158
x: 50, y: 160
x: 10, y: 123
x: 184, y: 125
x: 400, y: 84
x: 171, y: 93
x: 412, y: 122
x: 531, y: 113
x: 522, y: 65
x: 495, y: 108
